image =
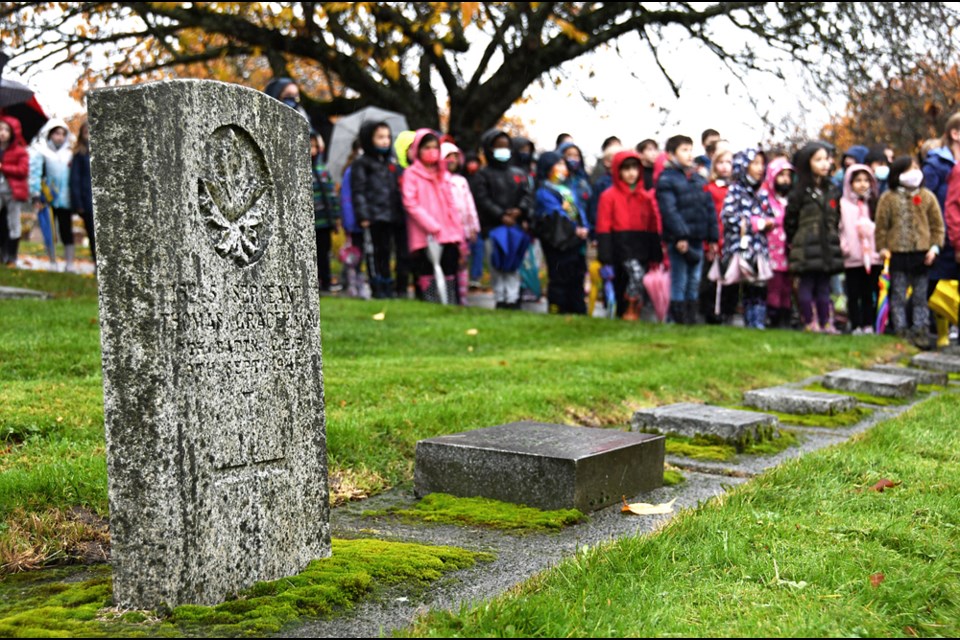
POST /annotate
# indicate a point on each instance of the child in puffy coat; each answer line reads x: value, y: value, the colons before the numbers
x: 432, y: 214
x: 862, y: 265
x: 627, y: 230
x: 463, y: 200
x: 14, y: 193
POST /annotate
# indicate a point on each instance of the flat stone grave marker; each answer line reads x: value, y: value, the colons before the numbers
x: 798, y: 401
x: 16, y: 293
x: 885, y: 385
x: 547, y: 466
x: 922, y: 376
x: 210, y: 329
x: 688, y: 419
x: 937, y: 362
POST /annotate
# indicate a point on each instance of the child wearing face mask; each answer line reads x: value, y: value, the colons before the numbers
x: 909, y: 233
x: 432, y: 212
x: 862, y: 265
x: 562, y: 228
x: 578, y: 181
x: 776, y: 188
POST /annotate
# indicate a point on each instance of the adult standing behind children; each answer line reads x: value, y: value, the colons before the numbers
x: 627, y: 231
x: 562, y: 228
x: 689, y: 219
x: 50, y: 167
x: 909, y: 233
x: 377, y: 204
x: 431, y: 214
x: 812, y: 224
x: 14, y: 193
x: 503, y: 198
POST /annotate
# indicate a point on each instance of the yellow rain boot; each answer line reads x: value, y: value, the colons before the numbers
x: 943, y: 331
x: 594, y: 285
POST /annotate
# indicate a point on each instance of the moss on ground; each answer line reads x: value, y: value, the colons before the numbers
x: 714, y: 449
x: 837, y: 420
x: 442, y: 508
x: 878, y: 401
x: 930, y: 388
x: 672, y: 477
x: 77, y: 601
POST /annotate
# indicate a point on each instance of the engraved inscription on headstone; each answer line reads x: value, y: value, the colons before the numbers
x: 213, y: 391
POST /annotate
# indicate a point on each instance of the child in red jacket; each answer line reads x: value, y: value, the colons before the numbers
x: 14, y: 193
x: 627, y: 230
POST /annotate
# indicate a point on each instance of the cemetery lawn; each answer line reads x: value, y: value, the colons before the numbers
x: 422, y: 371
x: 808, y: 549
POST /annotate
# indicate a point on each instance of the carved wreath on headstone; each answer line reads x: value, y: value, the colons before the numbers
x: 235, y: 195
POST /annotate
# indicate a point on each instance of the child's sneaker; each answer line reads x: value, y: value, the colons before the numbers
x: 813, y: 327
x: 830, y: 330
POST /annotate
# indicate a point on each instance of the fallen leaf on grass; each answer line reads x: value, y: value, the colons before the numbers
x: 472, y: 332
x: 876, y: 579
x: 646, y: 509
x: 883, y: 484
x: 380, y: 316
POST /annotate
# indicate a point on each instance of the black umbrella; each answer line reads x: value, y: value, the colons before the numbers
x: 13, y: 92
x: 31, y: 117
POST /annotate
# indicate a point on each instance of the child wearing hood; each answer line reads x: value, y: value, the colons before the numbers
x: 467, y: 208
x: 562, y: 228
x: 862, y: 265
x: 627, y: 231
x: 747, y: 220
x: 378, y: 206
x: 14, y: 192
x: 689, y: 219
x: 776, y: 188
x: 503, y: 198
x: 432, y: 215
x: 909, y: 232
x: 721, y: 172
x: 812, y: 224
x: 50, y: 166
x: 577, y: 180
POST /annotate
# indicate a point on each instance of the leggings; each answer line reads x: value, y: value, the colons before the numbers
x: 64, y: 225
x: 815, y: 288
x: 862, y: 288
x: 900, y: 281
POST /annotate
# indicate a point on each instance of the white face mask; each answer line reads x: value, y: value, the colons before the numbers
x: 911, y: 179
x: 882, y: 172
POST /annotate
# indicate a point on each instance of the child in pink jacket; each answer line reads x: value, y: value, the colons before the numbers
x: 463, y: 199
x: 861, y: 263
x: 778, y: 183
x: 431, y: 212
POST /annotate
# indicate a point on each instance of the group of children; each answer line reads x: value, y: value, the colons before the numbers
x: 746, y: 231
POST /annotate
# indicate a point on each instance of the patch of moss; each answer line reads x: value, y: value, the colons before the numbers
x: 442, y: 508
x: 56, y: 603
x: 878, y: 401
x: 953, y: 376
x: 672, y: 477
x: 714, y: 449
x: 845, y: 419
x: 929, y: 388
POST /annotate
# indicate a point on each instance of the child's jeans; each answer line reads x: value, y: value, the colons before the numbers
x: 815, y: 287
x: 899, y: 282
x: 684, y: 275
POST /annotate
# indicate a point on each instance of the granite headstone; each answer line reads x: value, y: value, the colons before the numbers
x: 210, y: 329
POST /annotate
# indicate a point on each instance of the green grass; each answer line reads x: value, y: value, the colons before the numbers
x: 415, y: 375
x: 836, y: 420
x: 879, y: 401
x: 713, y: 449
x: 672, y: 477
x: 805, y: 550
x: 77, y: 602
x: 442, y: 508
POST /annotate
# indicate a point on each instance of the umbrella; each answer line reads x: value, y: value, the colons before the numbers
x: 18, y: 100
x: 657, y: 283
x: 346, y: 129
x: 433, y: 252
x: 508, y: 246
x: 609, y: 293
x: 883, y: 301
x: 368, y: 253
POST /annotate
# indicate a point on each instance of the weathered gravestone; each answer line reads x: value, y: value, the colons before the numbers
x: 798, y: 401
x: 213, y: 392
x: 884, y: 385
x: 687, y: 419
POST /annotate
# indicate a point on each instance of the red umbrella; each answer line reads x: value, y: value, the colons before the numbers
x: 657, y: 283
x: 18, y: 100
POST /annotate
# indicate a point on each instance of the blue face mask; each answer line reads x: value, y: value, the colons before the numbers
x: 882, y: 173
x: 501, y: 155
x: 293, y: 103
x: 383, y: 150
x: 573, y: 165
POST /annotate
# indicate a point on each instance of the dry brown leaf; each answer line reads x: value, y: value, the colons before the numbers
x: 876, y: 579
x: 647, y: 509
x: 883, y: 484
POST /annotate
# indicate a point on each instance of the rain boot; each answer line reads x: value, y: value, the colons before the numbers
x: 13, y: 250
x: 675, y: 315
x: 760, y: 319
x: 690, y: 312
x: 632, y: 314
x: 943, y: 331
x: 69, y: 252
x: 5, y: 251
